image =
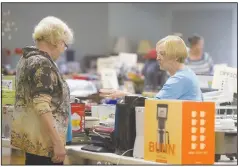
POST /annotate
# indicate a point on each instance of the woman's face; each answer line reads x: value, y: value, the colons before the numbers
x: 164, y: 61
x: 59, y: 49
x: 198, y: 47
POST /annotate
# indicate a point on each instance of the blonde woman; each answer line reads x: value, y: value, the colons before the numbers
x: 42, y: 96
x: 182, y: 83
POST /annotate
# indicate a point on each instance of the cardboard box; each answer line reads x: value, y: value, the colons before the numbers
x: 179, y: 132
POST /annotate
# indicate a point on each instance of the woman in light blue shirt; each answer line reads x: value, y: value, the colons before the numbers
x: 182, y: 84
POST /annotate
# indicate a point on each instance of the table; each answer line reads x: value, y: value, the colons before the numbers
x: 78, y: 156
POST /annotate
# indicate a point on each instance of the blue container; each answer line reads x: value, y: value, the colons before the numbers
x: 111, y: 102
x: 69, y: 136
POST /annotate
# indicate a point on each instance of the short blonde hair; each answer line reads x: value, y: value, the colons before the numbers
x: 52, y: 30
x: 175, y: 47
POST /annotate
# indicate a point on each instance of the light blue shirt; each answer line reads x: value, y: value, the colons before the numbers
x: 184, y: 85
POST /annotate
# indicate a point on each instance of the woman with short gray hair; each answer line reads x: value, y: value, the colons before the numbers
x: 42, y: 96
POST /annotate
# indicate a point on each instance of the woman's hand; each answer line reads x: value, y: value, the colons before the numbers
x: 59, y: 152
x: 111, y: 93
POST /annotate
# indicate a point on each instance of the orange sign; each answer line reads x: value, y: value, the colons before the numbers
x: 198, y: 126
x: 179, y: 132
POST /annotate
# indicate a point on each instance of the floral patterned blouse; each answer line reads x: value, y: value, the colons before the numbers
x: 40, y: 88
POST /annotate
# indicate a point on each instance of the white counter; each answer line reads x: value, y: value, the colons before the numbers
x: 108, y: 157
x: 113, y: 158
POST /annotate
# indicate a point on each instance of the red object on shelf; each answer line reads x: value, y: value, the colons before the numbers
x: 80, y: 77
x: 18, y: 51
x: 152, y: 54
x: 78, y: 117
